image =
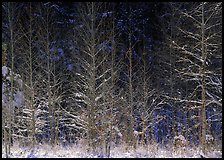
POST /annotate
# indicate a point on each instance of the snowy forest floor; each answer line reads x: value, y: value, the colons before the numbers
x: 81, y: 151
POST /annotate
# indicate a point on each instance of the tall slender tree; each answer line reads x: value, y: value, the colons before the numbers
x: 92, y: 76
x: 202, y: 45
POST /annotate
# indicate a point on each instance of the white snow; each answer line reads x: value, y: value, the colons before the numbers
x: 136, y: 133
x: 107, y: 14
x: 180, y: 137
x: 80, y: 150
x: 209, y: 137
x: 8, y: 78
x: 4, y: 71
x: 3, y: 89
x: 19, y: 99
x: 119, y: 134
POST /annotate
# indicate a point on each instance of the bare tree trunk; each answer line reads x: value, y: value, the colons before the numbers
x: 130, y: 120
x: 47, y: 35
x: 92, y: 83
x: 203, y: 109
x: 130, y: 116
x: 201, y: 47
x: 33, y: 122
x: 11, y: 113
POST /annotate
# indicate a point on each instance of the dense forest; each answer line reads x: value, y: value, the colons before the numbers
x: 112, y: 74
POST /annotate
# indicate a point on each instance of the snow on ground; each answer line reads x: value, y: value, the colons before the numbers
x: 81, y: 151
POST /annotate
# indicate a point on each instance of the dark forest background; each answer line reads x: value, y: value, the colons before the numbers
x: 105, y: 72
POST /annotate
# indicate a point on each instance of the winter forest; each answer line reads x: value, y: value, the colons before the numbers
x: 112, y: 79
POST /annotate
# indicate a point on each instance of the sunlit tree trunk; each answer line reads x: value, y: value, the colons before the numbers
x: 51, y: 80
x: 11, y: 113
x: 31, y: 78
x: 200, y: 49
x: 203, y: 109
x: 91, y: 84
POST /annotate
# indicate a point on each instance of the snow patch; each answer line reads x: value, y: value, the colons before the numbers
x: 4, y: 70
x: 81, y: 151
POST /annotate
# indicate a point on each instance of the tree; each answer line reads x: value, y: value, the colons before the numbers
x: 91, y: 76
x: 169, y: 20
x: 51, y: 73
x: 197, y: 52
x: 30, y: 62
x: 10, y: 10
